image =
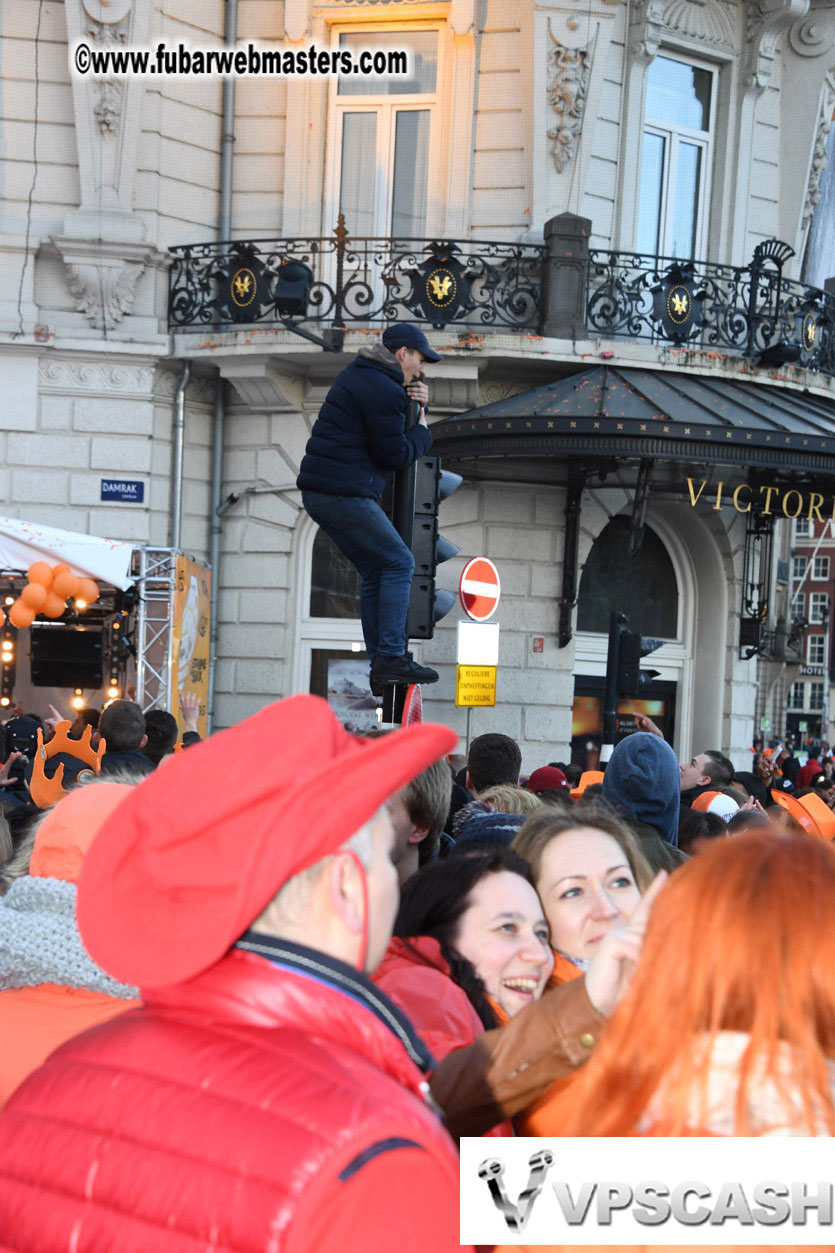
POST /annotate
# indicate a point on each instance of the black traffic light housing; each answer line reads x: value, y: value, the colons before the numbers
x: 632, y: 680
x: 418, y: 493
x: 624, y: 676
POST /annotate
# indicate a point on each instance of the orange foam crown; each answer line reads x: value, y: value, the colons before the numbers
x: 46, y: 792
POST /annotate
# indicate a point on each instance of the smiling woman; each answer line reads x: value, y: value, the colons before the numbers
x: 470, y: 949
x: 590, y: 876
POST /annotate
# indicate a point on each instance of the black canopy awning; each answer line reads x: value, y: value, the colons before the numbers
x: 629, y: 414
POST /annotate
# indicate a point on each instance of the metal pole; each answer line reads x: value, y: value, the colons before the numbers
x: 215, y: 527
x: 826, y: 674
x: 179, y: 435
x: 610, y: 691
x: 224, y: 228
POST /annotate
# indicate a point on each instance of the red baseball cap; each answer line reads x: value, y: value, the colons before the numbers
x: 198, y: 849
x: 547, y: 779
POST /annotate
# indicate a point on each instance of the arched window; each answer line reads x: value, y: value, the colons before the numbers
x: 643, y: 586
x: 334, y: 582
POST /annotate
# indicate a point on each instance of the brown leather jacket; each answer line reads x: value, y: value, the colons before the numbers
x: 508, y: 1068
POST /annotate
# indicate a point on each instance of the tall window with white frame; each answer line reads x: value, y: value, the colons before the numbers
x: 816, y: 650
x: 381, y: 170
x: 818, y: 607
x: 676, y: 158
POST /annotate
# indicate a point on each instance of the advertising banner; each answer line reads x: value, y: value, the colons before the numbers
x: 190, y: 636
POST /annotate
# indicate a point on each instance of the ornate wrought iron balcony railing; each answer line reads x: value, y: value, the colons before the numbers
x: 748, y: 310
x: 340, y: 281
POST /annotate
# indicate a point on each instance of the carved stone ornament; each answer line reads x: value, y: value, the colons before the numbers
x: 706, y: 22
x: 94, y: 378
x: 767, y: 19
x: 297, y: 18
x: 108, y: 12
x: 108, y: 107
x: 490, y: 392
x: 814, y: 35
x: 103, y: 277
x: 568, y: 81
x: 201, y: 389
x: 107, y: 93
x: 646, y: 28
x: 820, y: 155
x: 654, y: 22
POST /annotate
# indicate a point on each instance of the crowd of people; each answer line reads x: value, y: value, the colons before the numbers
x: 251, y: 994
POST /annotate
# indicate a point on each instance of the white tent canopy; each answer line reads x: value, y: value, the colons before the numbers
x: 21, y: 543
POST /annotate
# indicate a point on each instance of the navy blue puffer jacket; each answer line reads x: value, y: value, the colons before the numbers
x: 359, y: 435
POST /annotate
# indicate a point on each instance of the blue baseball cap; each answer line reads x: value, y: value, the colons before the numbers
x: 407, y: 335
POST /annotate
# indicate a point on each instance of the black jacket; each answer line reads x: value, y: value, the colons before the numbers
x: 130, y: 760
x: 360, y: 435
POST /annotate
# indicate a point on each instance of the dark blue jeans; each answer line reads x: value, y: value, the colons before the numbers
x: 361, y: 530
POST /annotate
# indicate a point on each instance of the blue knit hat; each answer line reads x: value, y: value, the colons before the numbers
x: 490, y: 828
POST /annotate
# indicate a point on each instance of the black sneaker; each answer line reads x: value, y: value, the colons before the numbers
x: 388, y: 670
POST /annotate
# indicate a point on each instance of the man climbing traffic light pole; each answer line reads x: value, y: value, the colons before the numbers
x: 360, y: 436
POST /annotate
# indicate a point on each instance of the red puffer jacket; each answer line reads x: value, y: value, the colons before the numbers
x: 415, y: 975
x: 272, y: 1104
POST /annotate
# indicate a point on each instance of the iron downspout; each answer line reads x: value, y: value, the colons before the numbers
x: 179, y: 438
x: 227, y: 140
x: 214, y: 541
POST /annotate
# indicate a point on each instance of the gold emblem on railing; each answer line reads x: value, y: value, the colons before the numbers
x: 441, y: 288
x: 243, y: 288
x: 679, y: 303
x: 810, y: 331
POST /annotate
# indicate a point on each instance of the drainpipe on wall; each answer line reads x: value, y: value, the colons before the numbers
x: 179, y: 434
x: 224, y: 228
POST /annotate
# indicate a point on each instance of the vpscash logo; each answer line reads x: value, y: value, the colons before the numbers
x: 663, y: 1191
x: 516, y: 1215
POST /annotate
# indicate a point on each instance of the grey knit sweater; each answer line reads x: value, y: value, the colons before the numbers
x: 40, y: 943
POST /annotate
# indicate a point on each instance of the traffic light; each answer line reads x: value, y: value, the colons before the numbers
x: 631, y: 679
x: 624, y: 676
x: 418, y: 493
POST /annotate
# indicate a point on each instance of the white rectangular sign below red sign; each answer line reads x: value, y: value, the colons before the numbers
x: 479, y: 589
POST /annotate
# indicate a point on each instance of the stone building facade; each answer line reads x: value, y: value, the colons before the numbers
x: 521, y: 111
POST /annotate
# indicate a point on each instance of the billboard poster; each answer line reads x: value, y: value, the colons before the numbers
x: 587, y: 718
x: 190, y: 636
x: 342, y: 677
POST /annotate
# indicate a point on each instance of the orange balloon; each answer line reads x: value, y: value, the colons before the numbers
x: 54, y: 607
x: 65, y: 584
x: 2, y: 617
x: 88, y: 589
x: 34, y: 595
x: 59, y: 569
x: 40, y: 572
x: 21, y: 615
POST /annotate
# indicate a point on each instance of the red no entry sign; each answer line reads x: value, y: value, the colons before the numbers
x: 479, y: 589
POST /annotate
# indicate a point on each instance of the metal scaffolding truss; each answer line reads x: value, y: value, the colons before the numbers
x: 155, y: 579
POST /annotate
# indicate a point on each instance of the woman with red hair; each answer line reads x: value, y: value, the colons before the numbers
x: 728, y: 1027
